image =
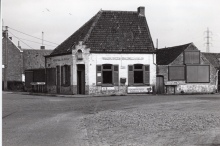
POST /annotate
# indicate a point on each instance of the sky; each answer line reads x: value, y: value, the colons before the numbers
x: 172, y: 22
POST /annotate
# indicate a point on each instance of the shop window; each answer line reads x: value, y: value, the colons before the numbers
x: 197, y: 74
x: 192, y: 57
x: 107, y: 74
x: 176, y: 73
x: 65, y: 75
x: 138, y: 74
x: 51, y: 76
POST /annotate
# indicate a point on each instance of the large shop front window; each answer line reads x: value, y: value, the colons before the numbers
x: 107, y: 74
x: 138, y: 74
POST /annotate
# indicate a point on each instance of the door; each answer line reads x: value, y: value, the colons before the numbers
x: 80, y: 79
x: 58, y: 79
x: 160, y: 85
x: 219, y: 81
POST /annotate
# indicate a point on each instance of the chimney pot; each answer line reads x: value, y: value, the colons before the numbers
x: 141, y: 11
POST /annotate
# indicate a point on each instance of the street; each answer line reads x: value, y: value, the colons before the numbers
x: 33, y: 120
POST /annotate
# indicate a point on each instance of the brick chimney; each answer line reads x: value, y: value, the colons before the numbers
x: 141, y: 11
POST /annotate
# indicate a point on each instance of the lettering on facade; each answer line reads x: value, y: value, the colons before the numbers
x: 60, y: 59
x: 145, y: 89
x: 123, y: 58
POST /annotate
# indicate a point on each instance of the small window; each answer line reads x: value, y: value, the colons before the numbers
x: 79, y: 55
x: 192, y: 57
x: 138, y: 74
x: 107, y: 74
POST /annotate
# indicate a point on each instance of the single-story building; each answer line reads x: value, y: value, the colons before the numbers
x: 112, y: 53
x: 184, y: 69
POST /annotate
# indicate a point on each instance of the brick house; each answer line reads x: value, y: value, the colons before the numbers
x: 17, y: 61
x: 184, y: 69
x: 112, y: 53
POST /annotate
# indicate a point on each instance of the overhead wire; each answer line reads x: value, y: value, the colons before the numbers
x: 32, y: 36
x: 32, y: 41
x: 21, y: 40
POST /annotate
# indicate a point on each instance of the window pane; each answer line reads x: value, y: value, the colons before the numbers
x: 130, y: 68
x: 147, y: 68
x: 138, y: 76
x: 107, y: 66
x: 107, y: 77
x: 138, y: 66
x: 115, y: 68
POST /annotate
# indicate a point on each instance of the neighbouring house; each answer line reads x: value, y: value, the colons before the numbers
x: 16, y: 61
x: 184, y: 69
x: 112, y: 53
x: 214, y: 59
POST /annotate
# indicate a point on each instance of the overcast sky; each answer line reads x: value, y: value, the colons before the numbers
x: 173, y: 22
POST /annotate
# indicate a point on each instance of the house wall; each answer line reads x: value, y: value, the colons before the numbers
x: 182, y: 86
x: 90, y: 60
x: 53, y: 62
x: 15, y: 62
x: 123, y: 60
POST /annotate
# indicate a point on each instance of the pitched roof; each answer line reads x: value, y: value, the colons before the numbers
x: 111, y: 31
x: 167, y: 55
x: 213, y: 58
x: 34, y: 58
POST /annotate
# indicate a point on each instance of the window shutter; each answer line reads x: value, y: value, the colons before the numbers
x: 130, y: 75
x: 115, y: 75
x: 62, y: 75
x: 98, y: 75
x: 68, y: 75
x: 51, y: 76
x: 146, y: 74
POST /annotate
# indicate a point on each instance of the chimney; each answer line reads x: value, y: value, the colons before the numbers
x: 141, y: 11
x: 19, y: 45
x: 42, y: 47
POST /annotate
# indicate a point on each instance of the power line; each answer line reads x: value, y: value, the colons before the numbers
x: 31, y: 36
x: 21, y: 40
x: 31, y: 41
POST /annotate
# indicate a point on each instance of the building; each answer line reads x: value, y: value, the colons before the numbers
x: 16, y: 60
x: 214, y: 59
x: 184, y: 69
x: 112, y: 53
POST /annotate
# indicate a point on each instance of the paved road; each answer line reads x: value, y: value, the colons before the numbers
x: 31, y: 120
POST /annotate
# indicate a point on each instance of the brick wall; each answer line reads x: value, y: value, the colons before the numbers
x: 14, y: 65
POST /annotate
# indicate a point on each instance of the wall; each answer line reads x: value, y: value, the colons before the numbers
x: 182, y: 86
x: 123, y: 60
x: 15, y: 64
x: 52, y: 62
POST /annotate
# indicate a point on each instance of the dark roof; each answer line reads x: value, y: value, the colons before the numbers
x: 34, y: 59
x: 111, y: 31
x: 213, y: 58
x: 167, y: 55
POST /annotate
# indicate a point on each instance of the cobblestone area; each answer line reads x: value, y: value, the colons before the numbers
x: 180, y: 123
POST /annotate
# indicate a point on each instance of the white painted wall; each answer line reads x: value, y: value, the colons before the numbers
x: 123, y: 61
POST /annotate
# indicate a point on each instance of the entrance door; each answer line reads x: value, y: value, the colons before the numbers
x: 58, y: 79
x: 80, y: 79
x: 160, y: 85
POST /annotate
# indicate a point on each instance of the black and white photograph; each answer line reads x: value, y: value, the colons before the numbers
x: 110, y: 72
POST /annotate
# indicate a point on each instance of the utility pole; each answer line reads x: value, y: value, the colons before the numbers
x: 6, y: 58
x: 207, y: 40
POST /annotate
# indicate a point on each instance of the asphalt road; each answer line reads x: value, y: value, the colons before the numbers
x: 32, y: 120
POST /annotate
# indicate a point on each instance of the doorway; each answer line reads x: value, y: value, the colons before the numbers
x: 80, y: 79
x: 160, y: 84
